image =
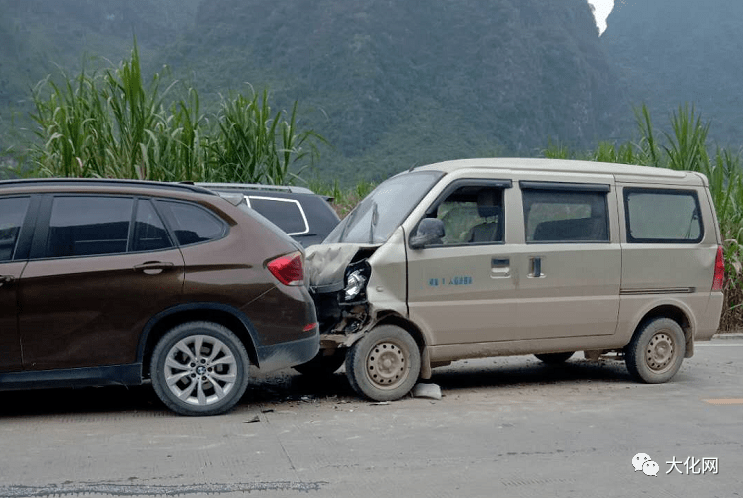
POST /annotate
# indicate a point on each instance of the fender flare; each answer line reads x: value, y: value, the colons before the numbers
x: 196, y: 306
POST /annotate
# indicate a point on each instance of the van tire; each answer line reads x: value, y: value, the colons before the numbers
x: 656, y: 351
x: 221, y: 361
x: 384, y: 364
x: 555, y: 358
x: 322, y: 365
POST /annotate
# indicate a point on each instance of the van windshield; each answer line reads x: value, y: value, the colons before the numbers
x: 382, y: 211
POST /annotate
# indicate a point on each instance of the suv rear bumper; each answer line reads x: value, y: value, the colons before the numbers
x: 288, y: 354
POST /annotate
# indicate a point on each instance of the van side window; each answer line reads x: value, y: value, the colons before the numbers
x: 88, y: 225
x: 564, y: 215
x: 12, y: 214
x: 662, y: 215
x: 473, y: 214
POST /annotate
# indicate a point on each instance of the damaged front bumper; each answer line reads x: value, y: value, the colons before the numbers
x: 338, y: 274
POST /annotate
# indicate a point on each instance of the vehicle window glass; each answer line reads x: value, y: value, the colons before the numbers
x: 662, y: 216
x: 83, y: 226
x: 565, y: 216
x: 383, y: 210
x: 149, y: 231
x: 287, y: 214
x: 12, y: 214
x: 191, y: 223
x: 472, y: 215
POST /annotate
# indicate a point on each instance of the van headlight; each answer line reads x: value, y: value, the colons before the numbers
x: 355, y: 283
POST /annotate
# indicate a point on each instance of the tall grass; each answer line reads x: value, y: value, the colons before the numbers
x: 253, y: 145
x: 113, y: 125
x: 343, y: 200
x: 685, y: 147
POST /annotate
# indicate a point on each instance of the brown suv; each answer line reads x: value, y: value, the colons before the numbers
x: 121, y: 282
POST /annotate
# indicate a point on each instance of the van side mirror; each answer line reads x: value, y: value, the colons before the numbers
x: 429, y: 231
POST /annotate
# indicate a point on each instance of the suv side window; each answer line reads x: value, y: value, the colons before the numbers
x: 12, y: 213
x: 565, y: 215
x: 192, y: 223
x: 88, y: 225
x: 149, y: 231
x: 472, y: 214
x: 662, y: 215
x: 287, y: 214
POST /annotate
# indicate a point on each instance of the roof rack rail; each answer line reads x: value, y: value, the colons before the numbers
x: 255, y: 186
x: 105, y: 181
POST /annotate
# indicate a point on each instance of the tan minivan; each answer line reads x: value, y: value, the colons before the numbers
x: 487, y: 257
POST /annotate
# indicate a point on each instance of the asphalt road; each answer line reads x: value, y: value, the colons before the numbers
x: 505, y: 427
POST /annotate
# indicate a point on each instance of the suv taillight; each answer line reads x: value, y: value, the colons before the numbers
x: 719, y: 271
x: 289, y: 269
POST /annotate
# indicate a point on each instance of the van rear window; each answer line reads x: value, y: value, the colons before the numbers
x: 662, y: 215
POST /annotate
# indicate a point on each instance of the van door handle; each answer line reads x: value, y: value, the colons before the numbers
x: 154, y: 267
x: 6, y: 279
x: 500, y: 267
x: 536, y: 267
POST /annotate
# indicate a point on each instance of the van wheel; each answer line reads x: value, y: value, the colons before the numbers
x: 199, y: 368
x: 322, y: 365
x: 384, y: 364
x: 555, y: 358
x: 656, y: 351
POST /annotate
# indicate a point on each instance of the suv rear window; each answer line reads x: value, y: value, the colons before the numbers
x: 192, y: 224
x: 286, y: 214
x: 662, y: 215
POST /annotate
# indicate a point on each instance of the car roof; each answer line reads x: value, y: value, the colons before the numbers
x: 556, y: 165
x: 103, y: 183
x: 255, y: 187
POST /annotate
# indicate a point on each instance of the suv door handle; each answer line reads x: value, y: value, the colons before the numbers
x: 6, y: 279
x: 154, y: 267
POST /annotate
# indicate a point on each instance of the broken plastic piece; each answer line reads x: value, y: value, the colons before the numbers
x: 432, y: 391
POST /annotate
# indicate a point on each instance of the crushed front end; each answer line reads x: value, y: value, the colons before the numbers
x: 338, y: 277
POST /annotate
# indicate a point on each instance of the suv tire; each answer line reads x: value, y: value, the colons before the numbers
x: 656, y: 351
x: 384, y: 364
x: 199, y: 368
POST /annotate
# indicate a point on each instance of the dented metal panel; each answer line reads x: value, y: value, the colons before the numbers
x: 326, y: 264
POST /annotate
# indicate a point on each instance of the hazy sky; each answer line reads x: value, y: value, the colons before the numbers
x: 603, y: 7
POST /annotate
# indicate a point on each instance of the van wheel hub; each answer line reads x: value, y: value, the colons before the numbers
x: 659, y: 351
x: 387, y: 364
